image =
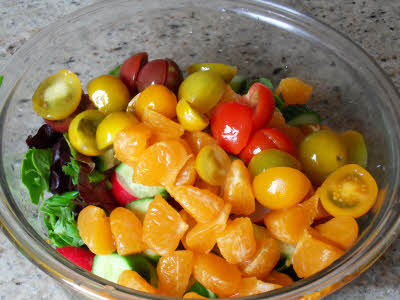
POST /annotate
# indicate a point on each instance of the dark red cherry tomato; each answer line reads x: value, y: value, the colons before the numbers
x: 262, y: 101
x: 154, y: 72
x: 174, y: 76
x: 264, y: 139
x: 130, y: 69
x: 231, y: 126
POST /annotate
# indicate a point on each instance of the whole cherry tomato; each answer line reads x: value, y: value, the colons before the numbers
x: 264, y: 139
x: 262, y: 101
x: 231, y: 126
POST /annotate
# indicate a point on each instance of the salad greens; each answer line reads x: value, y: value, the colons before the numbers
x: 1, y: 79
x: 35, y: 172
x: 59, y: 220
x: 200, y: 289
x: 72, y: 169
x: 115, y: 71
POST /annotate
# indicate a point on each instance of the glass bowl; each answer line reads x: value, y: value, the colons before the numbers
x: 261, y: 38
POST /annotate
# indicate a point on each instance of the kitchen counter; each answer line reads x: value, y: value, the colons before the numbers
x: 374, y: 25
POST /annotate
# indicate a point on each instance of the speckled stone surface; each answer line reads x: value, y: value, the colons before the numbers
x: 374, y: 25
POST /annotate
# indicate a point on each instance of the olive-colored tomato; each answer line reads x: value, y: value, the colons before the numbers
x: 321, y: 153
x: 212, y: 164
x: 130, y: 69
x: 190, y: 118
x: 57, y: 96
x: 356, y: 148
x: 349, y: 191
x: 225, y: 71
x: 157, y: 98
x: 82, y: 132
x: 111, y: 125
x: 281, y: 187
x: 108, y: 93
x: 202, y: 90
x: 271, y: 158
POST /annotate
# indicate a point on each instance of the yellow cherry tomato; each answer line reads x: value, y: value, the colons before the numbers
x: 157, y: 98
x: 225, y: 71
x: 349, y: 191
x: 212, y: 164
x: 356, y: 148
x: 111, y: 125
x: 202, y: 90
x: 108, y: 93
x: 57, y: 96
x: 281, y: 187
x: 82, y: 132
x: 132, y: 104
x: 190, y: 118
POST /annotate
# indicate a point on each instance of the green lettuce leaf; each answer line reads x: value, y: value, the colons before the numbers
x: 115, y: 71
x: 1, y: 79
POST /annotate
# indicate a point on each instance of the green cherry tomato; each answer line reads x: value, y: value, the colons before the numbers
x: 82, y: 132
x: 356, y: 148
x: 225, y: 71
x: 57, y: 96
x: 321, y: 153
x: 108, y: 93
x: 271, y: 158
x: 111, y: 125
x: 202, y: 90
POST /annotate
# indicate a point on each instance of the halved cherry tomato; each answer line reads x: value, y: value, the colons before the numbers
x: 130, y: 69
x: 231, y: 126
x: 356, y: 148
x: 174, y: 76
x: 264, y: 139
x: 57, y: 96
x: 82, y: 132
x: 154, y: 72
x: 349, y: 191
x: 262, y: 101
x: 190, y: 118
x: 225, y: 71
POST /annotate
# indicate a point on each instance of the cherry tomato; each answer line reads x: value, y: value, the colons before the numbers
x: 130, y: 69
x: 82, y: 132
x: 356, y: 148
x: 225, y: 71
x: 132, y: 104
x: 321, y: 153
x: 262, y: 101
x: 202, y: 90
x: 111, y: 125
x: 174, y: 76
x: 264, y: 139
x: 212, y: 164
x: 349, y: 191
x: 108, y: 93
x: 157, y: 98
x: 231, y: 125
x: 189, y: 118
x: 154, y: 72
x: 281, y: 187
x: 57, y: 96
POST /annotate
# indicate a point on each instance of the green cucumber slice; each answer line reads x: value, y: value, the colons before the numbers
x: 151, y: 256
x: 305, y: 119
x: 140, y: 206
x: 106, y: 161
x: 200, y: 289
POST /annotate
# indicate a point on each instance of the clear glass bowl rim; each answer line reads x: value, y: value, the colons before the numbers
x: 368, y: 249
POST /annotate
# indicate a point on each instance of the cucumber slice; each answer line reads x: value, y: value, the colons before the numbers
x: 106, y: 160
x: 305, y: 118
x: 286, y: 256
x: 124, y: 176
x: 238, y: 84
x: 112, y: 265
x: 139, y: 207
x: 151, y: 256
x: 200, y: 289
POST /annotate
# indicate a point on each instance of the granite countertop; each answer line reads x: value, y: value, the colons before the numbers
x: 373, y: 24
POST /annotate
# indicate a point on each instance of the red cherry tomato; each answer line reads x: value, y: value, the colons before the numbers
x: 262, y: 101
x: 130, y: 69
x: 231, y: 126
x: 264, y: 139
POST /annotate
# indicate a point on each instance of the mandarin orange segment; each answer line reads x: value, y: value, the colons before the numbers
x: 294, y: 91
x: 188, y: 174
x: 188, y: 219
x: 201, y: 184
x: 253, y: 286
x: 313, y: 253
x: 174, y: 271
x: 216, y: 274
x: 313, y: 207
x: 263, y: 261
x: 261, y: 233
x: 95, y: 230
x: 127, y: 231
x: 201, y: 204
x: 193, y: 295
x: 238, y: 189
x: 198, y: 139
x: 237, y: 243
x: 203, y: 236
x: 133, y: 280
x: 342, y: 230
x: 162, y: 127
x: 161, y: 163
x: 163, y: 227
x: 131, y: 142
x: 278, y: 278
